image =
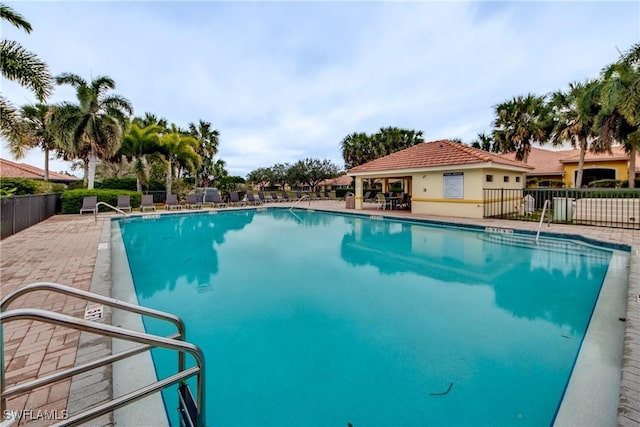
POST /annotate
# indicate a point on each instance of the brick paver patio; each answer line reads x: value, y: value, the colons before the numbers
x: 64, y: 249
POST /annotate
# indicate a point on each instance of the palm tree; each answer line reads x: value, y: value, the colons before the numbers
x: 93, y: 128
x: 208, y: 141
x: 520, y: 122
x: 619, y: 117
x: 39, y: 131
x: 574, y: 115
x: 180, y: 152
x: 24, y: 67
x: 139, y: 143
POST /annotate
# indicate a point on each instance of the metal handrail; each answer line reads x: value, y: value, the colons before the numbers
x: 120, y: 333
x: 305, y: 196
x: 544, y: 209
x: 124, y: 215
x: 89, y: 296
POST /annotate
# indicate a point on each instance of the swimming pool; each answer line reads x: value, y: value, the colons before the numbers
x: 320, y: 319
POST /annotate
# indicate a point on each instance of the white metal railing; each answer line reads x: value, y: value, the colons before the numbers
x: 110, y: 206
x: 305, y: 196
x: 544, y: 210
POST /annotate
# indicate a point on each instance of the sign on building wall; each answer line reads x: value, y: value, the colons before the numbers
x: 453, y: 185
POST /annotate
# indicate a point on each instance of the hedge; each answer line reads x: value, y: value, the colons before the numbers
x: 72, y: 199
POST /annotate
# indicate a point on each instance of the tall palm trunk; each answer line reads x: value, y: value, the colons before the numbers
x: 632, y: 166
x: 583, y: 150
x: 169, y: 172
x: 46, y: 164
x: 92, y: 168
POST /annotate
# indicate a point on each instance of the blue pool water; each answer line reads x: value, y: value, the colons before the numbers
x: 318, y: 319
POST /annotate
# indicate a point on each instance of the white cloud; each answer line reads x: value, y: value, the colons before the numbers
x: 283, y: 81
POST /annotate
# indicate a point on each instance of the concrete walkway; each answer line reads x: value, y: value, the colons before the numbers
x: 64, y: 249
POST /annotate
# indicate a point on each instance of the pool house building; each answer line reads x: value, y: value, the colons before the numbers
x: 442, y: 177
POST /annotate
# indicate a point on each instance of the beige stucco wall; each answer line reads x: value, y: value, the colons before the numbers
x: 428, y: 192
x: 620, y: 166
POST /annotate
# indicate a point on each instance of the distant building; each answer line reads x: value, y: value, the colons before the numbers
x: 333, y: 184
x: 561, y: 166
x: 9, y: 169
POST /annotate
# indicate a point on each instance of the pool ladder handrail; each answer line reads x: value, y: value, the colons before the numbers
x: 544, y: 209
x: 304, y: 196
x: 174, y: 341
x: 95, y: 214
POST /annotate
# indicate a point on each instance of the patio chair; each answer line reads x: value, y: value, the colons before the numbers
x: 172, y: 202
x: 383, y: 203
x: 285, y: 196
x: 367, y: 197
x: 274, y: 197
x: 89, y: 204
x: 193, y: 201
x: 124, y: 203
x: 234, y: 199
x: 147, y: 202
x: 252, y: 200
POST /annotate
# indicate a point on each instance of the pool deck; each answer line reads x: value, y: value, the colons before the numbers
x: 67, y: 249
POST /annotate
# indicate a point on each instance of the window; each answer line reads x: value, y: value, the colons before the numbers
x: 489, y: 178
x: 506, y: 178
x: 453, y: 185
x: 517, y: 179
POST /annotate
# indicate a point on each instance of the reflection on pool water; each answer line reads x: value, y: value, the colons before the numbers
x: 317, y: 319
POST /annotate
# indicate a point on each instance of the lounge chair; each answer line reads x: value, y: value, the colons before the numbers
x: 367, y: 197
x: 298, y: 195
x: 274, y: 197
x: 124, y: 203
x: 89, y: 204
x: 285, y: 196
x: 216, y: 199
x: 262, y: 197
x: 193, y: 201
x: 319, y: 196
x: 252, y: 200
x: 327, y: 196
x: 172, y: 202
x: 147, y: 202
x: 234, y: 199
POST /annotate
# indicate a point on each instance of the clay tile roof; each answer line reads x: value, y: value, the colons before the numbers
x: 341, y: 180
x: 10, y: 169
x: 434, y: 154
x: 617, y: 153
x: 544, y: 162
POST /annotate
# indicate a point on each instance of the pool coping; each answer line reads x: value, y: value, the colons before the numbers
x: 628, y: 401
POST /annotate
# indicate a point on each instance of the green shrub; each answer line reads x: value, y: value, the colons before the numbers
x: 72, y: 199
x: 621, y: 193
x: 605, y: 183
x: 118, y: 184
x: 75, y: 185
x: 18, y: 186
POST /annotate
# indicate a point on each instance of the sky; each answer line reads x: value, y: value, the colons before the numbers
x: 287, y: 80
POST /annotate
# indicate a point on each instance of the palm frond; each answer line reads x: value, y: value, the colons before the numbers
x: 19, y: 65
x: 12, y: 130
x: 71, y: 79
x: 14, y: 18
